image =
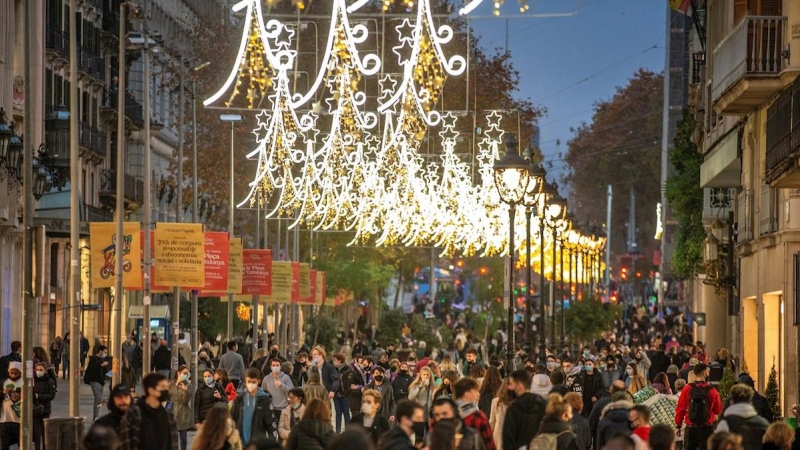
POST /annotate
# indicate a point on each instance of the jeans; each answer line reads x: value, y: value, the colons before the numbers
x: 342, y: 407
x: 183, y: 438
x: 9, y: 435
x: 65, y: 365
x: 696, y: 437
x: 38, y: 432
x: 97, y: 391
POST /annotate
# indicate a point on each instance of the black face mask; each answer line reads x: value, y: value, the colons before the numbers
x: 419, y: 428
x: 511, y: 394
x: 164, y: 396
x: 378, y: 378
x: 274, y: 353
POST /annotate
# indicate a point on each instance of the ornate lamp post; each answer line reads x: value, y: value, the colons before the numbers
x: 530, y: 200
x: 555, y: 213
x: 511, y: 178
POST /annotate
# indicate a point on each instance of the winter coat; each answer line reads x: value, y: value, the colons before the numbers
x: 566, y: 439
x: 131, y: 429
x: 541, y: 385
x: 396, y: 439
x: 180, y: 399
x: 94, y: 372
x: 400, y: 386
x: 522, y: 420
x: 204, y: 400
x: 380, y: 425
x: 592, y: 387
x: 128, y: 376
x: 310, y: 435
x: 610, y: 376
x: 422, y: 395
x: 285, y: 421
x: 261, y: 424
x: 346, y: 378
x: 330, y: 377
x: 44, y: 389
x: 613, y: 421
x: 742, y: 419
x: 496, y: 419
x: 580, y: 426
x: 387, y: 396
x: 162, y: 359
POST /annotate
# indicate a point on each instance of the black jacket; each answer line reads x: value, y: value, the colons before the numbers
x: 45, y: 390
x: 593, y: 386
x: 330, y: 377
x: 566, y: 439
x: 614, y: 421
x: 580, y: 426
x: 380, y: 425
x: 94, y: 372
x: 162, y: 359
x: 740, y: 420
x: 262, y: 416
x: 522, y: 420
x: 400, y: 386
x: 310, y: 435
x: 6, y: 361
x: 395, y: 439
x: 594, y: 417
x: 204, y: 400
x: 346, y: 378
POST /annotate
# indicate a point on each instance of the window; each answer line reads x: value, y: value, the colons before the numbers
x: 54, y: 265
x: 58, y: 87
x: 48, y: 91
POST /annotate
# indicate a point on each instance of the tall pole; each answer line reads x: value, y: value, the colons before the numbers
x: 553, y: 289
x: 146, y: 218
x: 74, y: 218
x: 116, y: 311
x: 528, y: 283
x: 563, y: 313
x: 195, y: 219
x: 665, y: 140
x: 29, y: 308
x: 176, y: 308
x: 607, y: 274
x: 542, y: 353
x: 512, y: 213
x: 230, y: 231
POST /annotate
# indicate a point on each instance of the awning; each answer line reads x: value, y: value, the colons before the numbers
x: 722, y: 167
x: 156, y: 312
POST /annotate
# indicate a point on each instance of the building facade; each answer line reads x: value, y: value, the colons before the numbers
x: 747, y: 118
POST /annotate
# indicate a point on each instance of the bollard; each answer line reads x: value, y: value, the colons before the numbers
x: 63, y: 433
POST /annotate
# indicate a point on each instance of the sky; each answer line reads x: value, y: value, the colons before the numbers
x: 604, y: 43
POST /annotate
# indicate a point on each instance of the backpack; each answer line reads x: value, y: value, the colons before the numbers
x: 546, y: 441
x: 699, y: 404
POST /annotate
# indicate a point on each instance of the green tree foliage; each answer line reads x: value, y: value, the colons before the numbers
x: 212, y: 318
x: 772, y: 394
x: 432, y: 330
x: 324, y: 326
x: 727, y: 381
x: 586, y: 319
x: 621, y: 147
x: 486, y: 295
x: 685, y: 197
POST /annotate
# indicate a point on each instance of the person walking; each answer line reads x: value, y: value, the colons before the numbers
x: 402, y: 383
x: 467, y: 395
x: 44, y: 391
x: 369, y: 419
x: 555, y: 428
x: 278, y: 385
x: 614, y: 418
x: 421, y: 389
x: 221, y: 377
x: 330, y: 376
x: 341, y: 404
x: 65, y: 357
x: 698, y: 406
x: 207, y: 394
x: 380, y: 384
x: 579, y: 423
x: 251, y: 410
x: 639, y: 419
x: 233, y: 363
x: 292, y: 414
x: 14, y: 356
x: 162, y: 359
x: 10, y: 412
x: 95, y: 377
x: 218, y: 432
x: 314, y: 388
x: 314, y: 430
x: 741, y: 418
x: 148, y: 425
x: 410, y: 428
x: 118, y: 403
x: 524, y: 414
x: 180, y: 394
x: 55, y: 353
x: 497, y: 414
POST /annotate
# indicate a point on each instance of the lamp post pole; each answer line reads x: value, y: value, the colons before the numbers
x: 512, y: 212
x: 117, y: 310
x: 195, y: 219
x: 74, y: 217
x: 528, y: 283
x: 553, y: 289
x: 176, y: 312
x: 232, y: 118
x: 542, y: 353
x: 561, y: 272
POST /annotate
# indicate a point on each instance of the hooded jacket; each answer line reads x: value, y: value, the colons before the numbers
x: 310, y: 435
x: 566, y: 439
x: 541, y: 385
x: 45, y: 390
x: 759, y: 401
x: 114, y: 417
x: 742, y: 419
x: 204, y: 400
x: 522, y: 420
x: 261, y: 423
x: 614, y: 421
x: 396, y: 439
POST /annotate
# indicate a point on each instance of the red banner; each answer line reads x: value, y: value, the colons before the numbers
x: 295, y: 282
x: 257, y: 272
x: 217, y: 261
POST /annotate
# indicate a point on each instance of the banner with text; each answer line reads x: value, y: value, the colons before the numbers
x: 319, y: 289
x: 295, y: 282
x: 281, y: 283
x: 305, y: 284
x: 257, y: 271
x: 180, y: 255
x: 103, y: 242
x: 217, y: 257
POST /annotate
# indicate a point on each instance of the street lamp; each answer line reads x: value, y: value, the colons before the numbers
x: 556, y: 211
x: 511, y: 178
x: 547, y: 192
x: 233, y: 119
x: 530, y: 200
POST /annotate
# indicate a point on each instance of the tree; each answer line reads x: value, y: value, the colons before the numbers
x: 727, y: 381
x: 324, y: 329
x: 685, y: 197
x: 586, y: 319
x: 620, y: 147
x: 772, y: 394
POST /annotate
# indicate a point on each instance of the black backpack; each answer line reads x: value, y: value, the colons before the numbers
x: 700, y: 404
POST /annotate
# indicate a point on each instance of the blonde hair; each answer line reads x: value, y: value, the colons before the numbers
x: 724, y: 441
x: 780, y: 434
x: 556, y: 406
x: 575, y: 400
x: 637, y: 384
x: 376, y: 396
x: 321, y: 351
x: 418, y: 380
x: 680, y: 383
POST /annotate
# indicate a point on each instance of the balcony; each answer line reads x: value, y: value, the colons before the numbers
x: 95, y: 214
x: 782, y: 162
x: 57, y: 42
x: 133, y: 109
x: 133, y: 191
x: 748, y: 64
x: 92, y: 140
x: 91, y: 64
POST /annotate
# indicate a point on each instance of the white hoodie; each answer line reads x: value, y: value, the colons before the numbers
x: 540, y: 385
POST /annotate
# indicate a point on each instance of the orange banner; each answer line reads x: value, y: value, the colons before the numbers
x: 180, y: 255
x: 257, y: 271
x: 295, y: 282
x: 304, y: 284
x: 281, y: 283
x: 153, y: 287
x: 217, y: 261
x: 103, y: 245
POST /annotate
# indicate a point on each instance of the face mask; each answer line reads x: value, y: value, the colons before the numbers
x: 275, y: 369
x: 588, y: 368
x: 403, y: 371
x: 511, y: 394
x: 551, y: 365
x: 274, y: 353
x: 379, y: 378
x: 317, y: 360
x: 252, y: 387
x: 39, y: 373
x: 164, y: 396
x: 103, y: 355
x: 296, y: 405
x: 419, y: 428
x: 209, y: 380
x: 586, y: 353
x: 366, y: 409
x: 184, y: 377
x: 629, y: 371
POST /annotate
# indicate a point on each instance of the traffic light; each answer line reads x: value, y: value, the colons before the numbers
x: 623, y: 273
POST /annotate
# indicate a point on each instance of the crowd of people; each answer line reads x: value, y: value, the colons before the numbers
x: 643, y: 385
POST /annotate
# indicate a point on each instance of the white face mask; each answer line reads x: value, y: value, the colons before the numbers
x: 39, y: 373
x: 366, y: 409
x: 275, y: 369
x: 252, y: 387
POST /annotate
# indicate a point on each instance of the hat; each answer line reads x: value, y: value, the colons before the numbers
x: 120, y: 389
x: 693, y: 362
x: 15, y: 365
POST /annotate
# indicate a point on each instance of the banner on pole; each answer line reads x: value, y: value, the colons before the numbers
x: 103, y: 242
x: 217, y: 261
x: 320, y: 287
x: 295, y: 282
x: 180, y: 255
x: 304, y: 281
x: 237, y: 298
x: 257, y: 271
x: 281, y: 282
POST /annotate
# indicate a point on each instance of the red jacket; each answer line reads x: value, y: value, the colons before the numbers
x: 682, y: 410
x: 642, y: 432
